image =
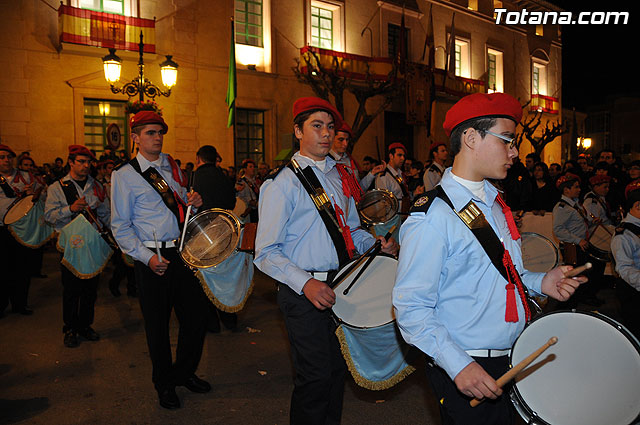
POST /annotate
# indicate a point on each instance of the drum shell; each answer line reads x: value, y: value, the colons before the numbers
x: 248, y: 243
x: 387, y: 211
x: 594, y: 338
x: 25, y: 204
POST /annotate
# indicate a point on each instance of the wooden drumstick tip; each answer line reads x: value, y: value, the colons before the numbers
x: 578, y: 270
x: 552, y: 340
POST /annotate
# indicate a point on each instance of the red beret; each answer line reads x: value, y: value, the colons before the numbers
x: 306, y: 104
x: 345, y: 129
x: 398, y: 145
x: 80, y: 150
x: 434, y: 146
x: 479, y: 105
x: 8, y: 149
x: 599, y: 179
x: 633, y: 186
x: 148, y: 117
x: 567, y: 177
x: 247, y: 161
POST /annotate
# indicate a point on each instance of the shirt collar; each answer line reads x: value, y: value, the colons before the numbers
x: 568, y: 200
x: 631, y: 219
x: 460, y: 195
x: 157, y: 164
x: 306, y: 161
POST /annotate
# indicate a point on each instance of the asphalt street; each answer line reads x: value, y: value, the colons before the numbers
x: 109, y: 381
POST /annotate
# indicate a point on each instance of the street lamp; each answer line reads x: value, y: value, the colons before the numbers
x: 140, y: 86
x: 584, y: 142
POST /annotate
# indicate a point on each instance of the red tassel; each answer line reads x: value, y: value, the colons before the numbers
x: 346, y: 232
x: 350, y: 186
x: 511, y: 223
x: 176, y: 172
x: 99, y: 191
x: 511, y: 311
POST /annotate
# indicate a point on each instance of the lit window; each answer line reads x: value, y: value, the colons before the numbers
x: 98, y: 115
x: 495, y: 71
x: 462, y: 63
x: 473, y: 5
x: 540, y: 30
x: 539, y: 79
x: 108, y: 6
x: 326, y: 23
x: 249, y: 22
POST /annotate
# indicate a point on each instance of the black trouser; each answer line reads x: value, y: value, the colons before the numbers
x: 629, y: 306
x: 78, y: 300
x: 319, y: 365
x: 215, y: 316
x: 120, y: 271
x: 454, y: 406
x: 180, y: 290
x: 15, y: 261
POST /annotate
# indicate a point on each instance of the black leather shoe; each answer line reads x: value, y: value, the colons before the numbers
x: 168, y: 398
x: 197, y: 385
x: 71, y: 339
x: 89, y: 334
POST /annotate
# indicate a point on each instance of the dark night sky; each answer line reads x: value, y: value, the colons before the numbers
x: 599, y: 60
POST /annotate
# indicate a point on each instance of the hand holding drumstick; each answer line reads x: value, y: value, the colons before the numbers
x: 561, y: 282
x: 518, y: 368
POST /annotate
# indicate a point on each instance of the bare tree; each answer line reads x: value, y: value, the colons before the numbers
x: 530, y: 126
x: 333, y: 81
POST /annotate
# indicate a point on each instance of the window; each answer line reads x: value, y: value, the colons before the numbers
x: 98, y: 115
x: 321, y: 28
x: 249, y: 141
x: 539, y: 79
x: 393, y: 39
x: 325, y: 22
x: 472, y: 5
x: 495, y: 71
x: 540, y: 30
x: 108, y: 6
x: 463, y: 68
x: 248, y: 24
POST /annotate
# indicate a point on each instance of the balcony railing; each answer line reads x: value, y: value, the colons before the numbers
x: 99, y: 29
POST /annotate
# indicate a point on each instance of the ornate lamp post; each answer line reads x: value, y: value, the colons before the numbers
x: 140, y: 85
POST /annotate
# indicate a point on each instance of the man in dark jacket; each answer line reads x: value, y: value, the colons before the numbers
x: 217, y: 191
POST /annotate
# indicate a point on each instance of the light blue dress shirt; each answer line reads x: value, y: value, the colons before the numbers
x: 389, y: 182
x: 594, y: 207
x: 138, y: 210
x: 448, y: 296
x: 57, y: 211
x: 431, y: 178
x: 568, y: 224
x: 292, y: 239
x: 626, y: 251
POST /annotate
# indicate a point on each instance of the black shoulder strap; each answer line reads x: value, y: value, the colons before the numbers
x: 69, y: 190
x: 274, y: 173
x: 633, y: 228
x: 6, y: 188
x: 315, y: 190
x: 485, y: 235
x: 160, y: 185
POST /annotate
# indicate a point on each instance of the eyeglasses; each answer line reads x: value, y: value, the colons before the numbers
x: 507, y: 140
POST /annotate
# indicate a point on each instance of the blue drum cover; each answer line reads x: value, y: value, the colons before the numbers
x: 376, y: 357
x: 31, y: 230
x: 85, y: 252
x: 229, y: 284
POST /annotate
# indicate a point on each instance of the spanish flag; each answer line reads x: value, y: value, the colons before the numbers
x: 91, y: 28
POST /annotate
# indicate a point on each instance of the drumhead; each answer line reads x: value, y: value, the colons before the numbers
x: 240, y: 207
x: 377, y: 206
x: 18, y: 209
x: 368, y: 303
x: 601, y: 237
x: 590, y: 376
x: 539, y: 254
x: 210, y: 238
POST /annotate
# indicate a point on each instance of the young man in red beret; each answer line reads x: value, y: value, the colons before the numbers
x: 149, y: 199
x: 451, y: 300
x: 392, y: 179
x: 14, y: 184
x: 74, y: 194
x: 595, y: 201
x: 439, y: 156
x: 296, y: 248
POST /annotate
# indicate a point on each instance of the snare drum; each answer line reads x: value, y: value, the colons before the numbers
x: 368, y: 303
x: 370, y: 341
x: 240, y: 208
x: 377, y: 206
x: 600, y: 242
x: 591, y: 376
x: 539, y: 254
x: 18, y: 210
x: 211, y: 237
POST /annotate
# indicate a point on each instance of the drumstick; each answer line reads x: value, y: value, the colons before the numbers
x: 155, y: 238
x: 518, y: 368
x: 577, y: 270
x: 186, y: 217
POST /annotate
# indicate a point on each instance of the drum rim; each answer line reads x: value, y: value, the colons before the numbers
x: 375, y: 223
x: 557, y: 250
x: 342, y: 322
x: 229, y: 215
x: 515, y: 393
x: 18, y: 200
